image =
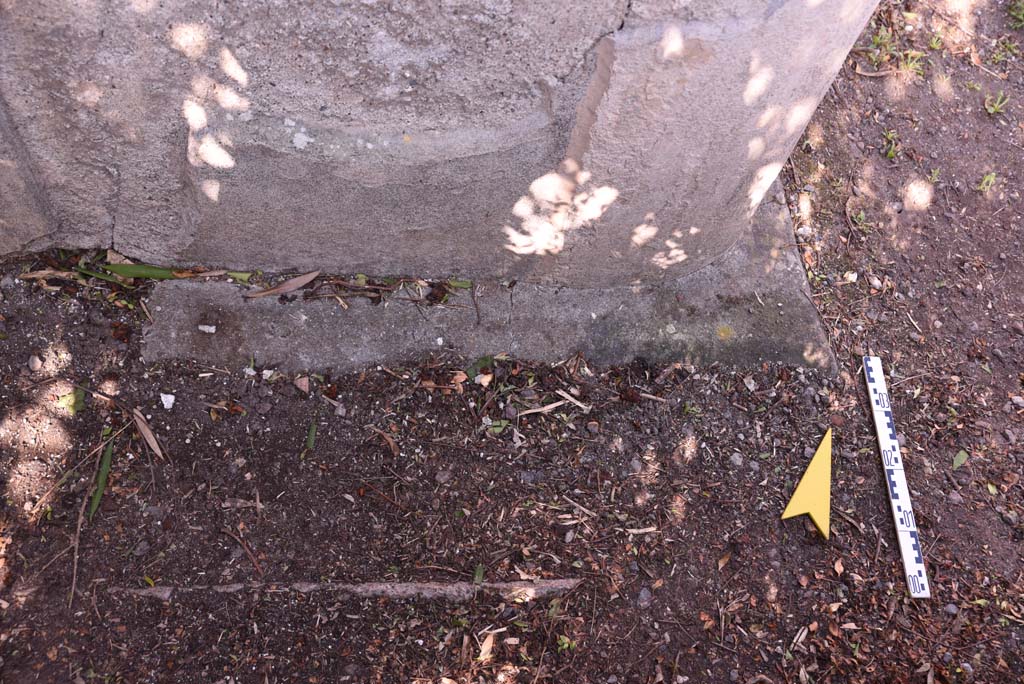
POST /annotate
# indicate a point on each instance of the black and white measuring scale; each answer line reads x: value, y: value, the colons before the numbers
x: 899, y: 493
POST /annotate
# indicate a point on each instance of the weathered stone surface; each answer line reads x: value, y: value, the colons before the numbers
x: 23, y: 221
x: 415, y: 137
x: 751, y: 305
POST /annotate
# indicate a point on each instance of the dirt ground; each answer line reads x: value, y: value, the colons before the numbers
x: 658, y: 488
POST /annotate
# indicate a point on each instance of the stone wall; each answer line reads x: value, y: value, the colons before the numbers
x: 588, y: 144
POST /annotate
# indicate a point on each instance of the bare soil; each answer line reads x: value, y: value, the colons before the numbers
x: 658, y: 488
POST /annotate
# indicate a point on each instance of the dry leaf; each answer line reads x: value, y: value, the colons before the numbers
x: 114, y: 257
x: 387, y: 438
x: 485, y: 650
x: 457, y: 379
x: 285, y: 287
x: 839, y: 566
x: 47, y: 273
x: 724, y: 560
x: 146, y: 432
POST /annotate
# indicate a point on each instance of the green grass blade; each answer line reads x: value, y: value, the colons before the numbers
x: 140, y: 271
x: 101, y: 478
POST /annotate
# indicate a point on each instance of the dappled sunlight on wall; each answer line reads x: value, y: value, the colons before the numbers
x: 558, y: 202
x: 207, y: 146
x: 763, y: 180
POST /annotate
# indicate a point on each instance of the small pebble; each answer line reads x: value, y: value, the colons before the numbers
x: 443, y: 476
x: 34, y: 363
x: 167, y: 400
x: 955, y: 498
x: 736, y: 459
x: 645, y: 598
x: 208, y: 329
x: 951, y: 609
x: 875, y: 282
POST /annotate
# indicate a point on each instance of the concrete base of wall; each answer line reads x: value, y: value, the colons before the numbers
x: 751, y: 306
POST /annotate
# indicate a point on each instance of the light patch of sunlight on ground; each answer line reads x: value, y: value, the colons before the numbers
x: 805, y: 209
x: 896, y: 87
x: 962, y: 12
x: 867, y: 173
x: 37, y: 436
x: 942, y: 86
x: 685, y: 451
x: 917, y: 195
x: 56, y: 359
x: 815, y: 135
x: 677, y: 509
x: 815, y: 355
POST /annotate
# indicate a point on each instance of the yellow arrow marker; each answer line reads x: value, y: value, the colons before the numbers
x: 813, y: 495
